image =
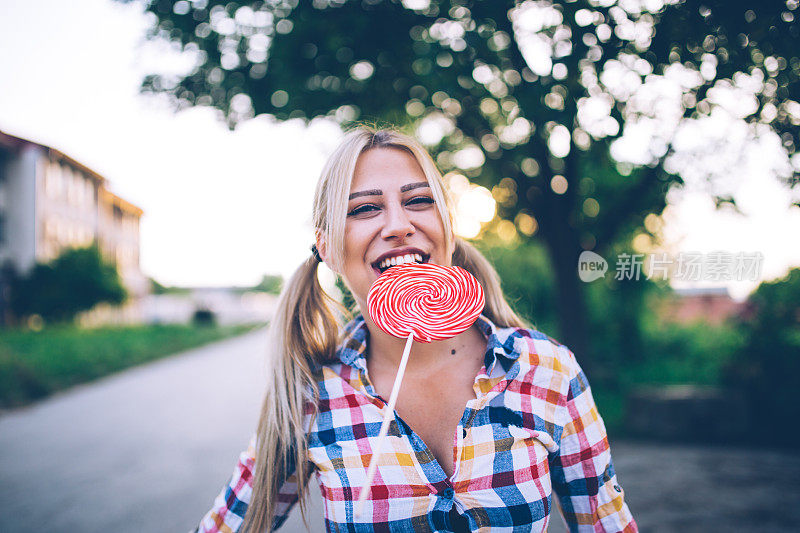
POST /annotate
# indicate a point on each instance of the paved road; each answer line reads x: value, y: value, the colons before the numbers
x: 144, y: 450
x: 147, y: 450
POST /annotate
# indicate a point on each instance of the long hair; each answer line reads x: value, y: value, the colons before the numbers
x: 304, y: 332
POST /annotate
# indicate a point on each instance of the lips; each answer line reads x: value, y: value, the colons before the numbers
x: 399, y: 256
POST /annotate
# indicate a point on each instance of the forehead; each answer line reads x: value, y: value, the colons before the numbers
x: 385, y: 167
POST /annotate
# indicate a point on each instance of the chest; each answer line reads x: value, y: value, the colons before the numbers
x: 433, y: 407
x: 434, y: 416
x: 498, y: 459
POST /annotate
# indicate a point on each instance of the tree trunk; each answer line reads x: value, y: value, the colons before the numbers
x: 563, y: 244
x: 571, y: 305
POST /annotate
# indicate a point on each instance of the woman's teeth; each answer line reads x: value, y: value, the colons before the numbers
x: 399, y: 260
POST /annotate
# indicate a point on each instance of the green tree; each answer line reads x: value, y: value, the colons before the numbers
x: 270, y: 283
x: 75, y: 281
x: 527, y: 280
x: 348, y: 302
x: 157, y: 287
x: 530, y: 99
x: 614, y: 307
x: 767, y: 368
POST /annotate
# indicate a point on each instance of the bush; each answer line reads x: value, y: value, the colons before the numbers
x: 75, y: 281
x: 204, y: 317
x: 696, y: 353
x: 271, y: 284
x: 767, y: 368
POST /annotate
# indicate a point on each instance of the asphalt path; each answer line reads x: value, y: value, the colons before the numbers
x: 144, y: 450
x: 148, y: 449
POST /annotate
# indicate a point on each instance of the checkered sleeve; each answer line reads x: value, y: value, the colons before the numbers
x: 582, y: 472
x: 229, y: 508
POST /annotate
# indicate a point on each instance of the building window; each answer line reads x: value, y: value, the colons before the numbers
x: 71, y: 189
x: 87, y: 192
x: 52, y: 182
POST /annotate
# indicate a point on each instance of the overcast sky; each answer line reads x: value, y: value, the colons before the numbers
x: 226, y: 207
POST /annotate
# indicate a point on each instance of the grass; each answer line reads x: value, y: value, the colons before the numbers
x: 36, y: 364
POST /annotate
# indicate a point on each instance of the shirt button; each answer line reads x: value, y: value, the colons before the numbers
x: 617, y: 488
x: 448, y: 493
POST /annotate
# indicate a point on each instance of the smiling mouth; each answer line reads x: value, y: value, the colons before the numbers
x: 388, y: 263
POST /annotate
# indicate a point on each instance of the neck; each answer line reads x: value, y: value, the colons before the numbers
x: 387, y: 349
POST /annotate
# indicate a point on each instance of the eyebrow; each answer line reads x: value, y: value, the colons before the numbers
x: 378, y: 192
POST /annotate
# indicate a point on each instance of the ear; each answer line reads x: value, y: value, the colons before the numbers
x: 322, y: 248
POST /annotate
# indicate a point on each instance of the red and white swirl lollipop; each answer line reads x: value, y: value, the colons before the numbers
x: 426, y: 302
x: 430, y: 301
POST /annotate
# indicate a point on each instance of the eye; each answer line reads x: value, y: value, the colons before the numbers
x: 363, y: 209
x: 420, y: 201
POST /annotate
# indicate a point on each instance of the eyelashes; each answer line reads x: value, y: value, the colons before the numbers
x: 363, y: 208
x: 370, y: 208
x: 420, y: 200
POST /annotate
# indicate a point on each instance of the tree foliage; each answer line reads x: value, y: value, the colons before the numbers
x: 75, y: 281
x: 767, y: 369
x: 483, y: 65
x: 541, y: 102
x: 270, y: 283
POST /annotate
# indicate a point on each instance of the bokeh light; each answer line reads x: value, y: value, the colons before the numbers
x: 559, y: 184
x: 474, y: 205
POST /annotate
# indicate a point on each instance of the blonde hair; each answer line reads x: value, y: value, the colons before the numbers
x: 305, y: 329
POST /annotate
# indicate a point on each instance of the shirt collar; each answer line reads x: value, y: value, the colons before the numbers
x: 353, y: 347
x: 500, y: 345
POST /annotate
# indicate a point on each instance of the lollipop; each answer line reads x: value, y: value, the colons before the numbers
x: 426, y: 302
x: 431, y: 302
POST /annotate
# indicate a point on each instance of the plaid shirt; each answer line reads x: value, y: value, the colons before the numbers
x: 533, y: 429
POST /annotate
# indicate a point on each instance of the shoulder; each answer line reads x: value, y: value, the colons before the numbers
x: 336, y: 380
x: 543, y: 379
x: 339, y: 379
x: 537, y: 349
x: 349, y: 357
x: 543, y: 360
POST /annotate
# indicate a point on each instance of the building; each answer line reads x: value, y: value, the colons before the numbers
x: 702, y: 304
x: 48, y: 202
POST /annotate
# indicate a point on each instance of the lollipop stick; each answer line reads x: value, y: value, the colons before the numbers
x: 387, y: 416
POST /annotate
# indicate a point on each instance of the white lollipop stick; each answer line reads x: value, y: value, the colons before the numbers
x: 387, y: 416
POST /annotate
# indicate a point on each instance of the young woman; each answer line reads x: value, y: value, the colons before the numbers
x: 488, y: 424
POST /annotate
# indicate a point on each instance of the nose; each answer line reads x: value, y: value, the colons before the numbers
x: 397, y: 224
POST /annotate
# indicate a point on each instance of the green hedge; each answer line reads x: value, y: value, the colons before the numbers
x: 36, y: 364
